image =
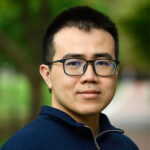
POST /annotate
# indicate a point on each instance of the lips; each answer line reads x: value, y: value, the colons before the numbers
x: 89, y: 94
x: 90, y: 91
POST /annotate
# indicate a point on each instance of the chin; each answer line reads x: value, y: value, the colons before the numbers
x: 90, y: 111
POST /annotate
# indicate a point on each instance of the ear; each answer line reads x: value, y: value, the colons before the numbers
x: 45, y: 73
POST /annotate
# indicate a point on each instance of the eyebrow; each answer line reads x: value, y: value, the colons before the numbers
x: 73, y: 56
x: 97, y: 55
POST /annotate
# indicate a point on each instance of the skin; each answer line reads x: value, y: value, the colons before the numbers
x: 81, y: 97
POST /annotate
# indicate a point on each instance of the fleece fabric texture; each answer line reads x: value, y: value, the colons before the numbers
x: 55, y: 130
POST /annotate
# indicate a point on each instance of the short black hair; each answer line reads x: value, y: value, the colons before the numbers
x: 82, y: 17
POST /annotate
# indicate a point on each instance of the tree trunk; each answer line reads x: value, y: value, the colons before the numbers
x: 36, y: 99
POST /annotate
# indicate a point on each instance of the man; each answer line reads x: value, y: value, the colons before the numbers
x: 80, y: 67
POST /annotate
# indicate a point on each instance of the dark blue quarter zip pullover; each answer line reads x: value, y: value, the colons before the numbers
x: 55, y: 130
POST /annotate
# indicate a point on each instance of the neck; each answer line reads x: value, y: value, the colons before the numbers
x: 91, y: 121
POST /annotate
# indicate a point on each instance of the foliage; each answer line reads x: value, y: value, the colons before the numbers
x: 23, y: 23
x: 137, y: 26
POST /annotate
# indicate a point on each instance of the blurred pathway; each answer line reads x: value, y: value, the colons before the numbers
x: 130, y: 110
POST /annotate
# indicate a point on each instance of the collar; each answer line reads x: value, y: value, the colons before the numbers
x: 58, y: 115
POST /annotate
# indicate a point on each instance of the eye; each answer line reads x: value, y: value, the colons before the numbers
x: 102, y: 63
x: 73, y: 63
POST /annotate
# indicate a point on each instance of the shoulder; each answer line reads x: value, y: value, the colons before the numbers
x: 112, y: 137
x: 14, y: 144
x: 126, y: 141
x: 119, y: 141
x: 30, y: 136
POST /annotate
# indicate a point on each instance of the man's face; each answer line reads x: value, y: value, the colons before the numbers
x: 87, y: 94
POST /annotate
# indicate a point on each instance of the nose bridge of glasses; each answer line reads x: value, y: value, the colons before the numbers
x: 86, y: 65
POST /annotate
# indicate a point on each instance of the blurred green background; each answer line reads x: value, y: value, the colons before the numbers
x: 22, y: 25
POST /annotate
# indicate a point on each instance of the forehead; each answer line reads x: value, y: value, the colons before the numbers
x: 87, y: 43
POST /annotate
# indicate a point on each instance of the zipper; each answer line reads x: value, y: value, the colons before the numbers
x: 102, y: 133
x: 96, y: 144
x: 107, y: 131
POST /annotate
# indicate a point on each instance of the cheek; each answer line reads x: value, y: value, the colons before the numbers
x: 109, y: 87
x: 62, y: 82
x: 68, y: 84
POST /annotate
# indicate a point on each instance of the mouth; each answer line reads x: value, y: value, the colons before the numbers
x: 89, y: 94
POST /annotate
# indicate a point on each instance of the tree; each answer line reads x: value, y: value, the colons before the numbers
x: 137, y: 26
x: 22, y: 26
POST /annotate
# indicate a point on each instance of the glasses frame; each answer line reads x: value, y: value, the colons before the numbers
x: 116, y: 62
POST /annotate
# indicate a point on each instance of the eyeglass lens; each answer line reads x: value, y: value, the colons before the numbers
x: 79, y: 66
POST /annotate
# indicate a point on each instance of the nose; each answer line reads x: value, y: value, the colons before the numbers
x: 89, y: 75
